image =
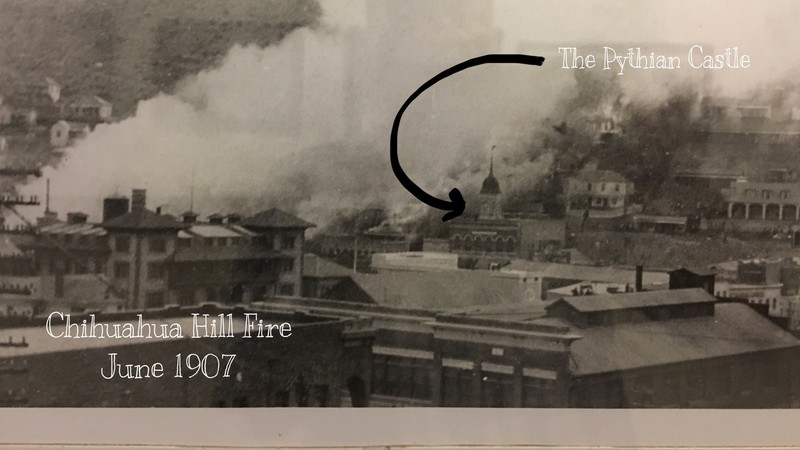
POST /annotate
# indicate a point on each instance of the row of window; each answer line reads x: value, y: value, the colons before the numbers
x: 122, y: 243
x: 614, y: 186
x: 158, y: 271
x: 766, y: 194
x: 488, y: 244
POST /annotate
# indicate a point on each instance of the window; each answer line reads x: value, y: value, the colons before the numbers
x: 157, y: 245
x: 122, y: 244
x: 616, y: 187
x: 222, y: 242
x: 154, y: 300
x: 155, y: 271
x: 766, y: 194
x: 121, y: 269
x: 287, y: 242
x: 286, y: 289
x: 603, y: 187
x: 784, y: 194
x: 590, y: 186
x: 287, y: 266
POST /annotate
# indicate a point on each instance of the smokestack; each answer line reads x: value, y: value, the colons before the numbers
x: 639, y: 275
x: 138, y: 200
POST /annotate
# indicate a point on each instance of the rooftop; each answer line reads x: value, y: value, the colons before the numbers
x: 318, y: 267
x: 631, y: 300
x: 214, y: 231
x: 443, y: 290
x: 144, y: 219
x: 579, y: 272
x: 733, y: 329
x: 275, y: 218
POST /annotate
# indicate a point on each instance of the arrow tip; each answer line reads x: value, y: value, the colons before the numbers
x: 456, y: 207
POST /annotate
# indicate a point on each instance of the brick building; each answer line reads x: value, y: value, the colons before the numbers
x: 666, y: 348
x: 151, y: 259
x: 265, y: 372
x: 493, y: 234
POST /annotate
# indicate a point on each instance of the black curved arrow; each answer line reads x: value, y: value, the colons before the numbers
x: 456, y: 204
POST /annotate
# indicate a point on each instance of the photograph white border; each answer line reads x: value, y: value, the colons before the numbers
x: 335, y: 427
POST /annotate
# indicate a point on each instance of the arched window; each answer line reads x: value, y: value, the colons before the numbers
x: 498, y: 245
x: 479, y: 244
x: 457, y: 242
x: 511, y: 245
x: 468, y: 243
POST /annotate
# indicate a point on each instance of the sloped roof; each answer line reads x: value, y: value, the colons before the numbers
x: 143, y: 219
x: 490, y: 185
x: 213, y: 231
x: 733, y: 329
x: 702, y: 271
x: 442, y: 290
x: 318, y: 267
x: 8, y: 248
x: 610, y: 302
x: 275, y: 218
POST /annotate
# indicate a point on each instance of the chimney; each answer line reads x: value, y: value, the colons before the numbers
x: 138, y: 200
x: 49, y: 218
x: 76, y: 218
x: 189, y: 217
x: 158, y: 210
x: 639, y: 275
x: 114, y: 207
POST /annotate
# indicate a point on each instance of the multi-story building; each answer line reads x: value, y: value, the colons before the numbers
x: 152, y: 259
x: 763, y: 201
x: 602, y: 193
x: 253, y: 372
x: 494, y: 234
x: 652, y: 349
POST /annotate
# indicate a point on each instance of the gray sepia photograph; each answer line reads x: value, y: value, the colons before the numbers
x: 200, y: 204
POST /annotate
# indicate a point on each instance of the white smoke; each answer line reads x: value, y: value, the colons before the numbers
x: 304, y: 124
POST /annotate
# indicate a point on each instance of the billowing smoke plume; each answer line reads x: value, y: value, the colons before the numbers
x: 304, y: 124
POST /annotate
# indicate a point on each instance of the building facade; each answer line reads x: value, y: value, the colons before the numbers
x: 763, y: 201
x: 602, y: 193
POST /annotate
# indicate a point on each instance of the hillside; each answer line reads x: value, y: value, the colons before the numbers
x: 665, y: 251
x: 129, y: 50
